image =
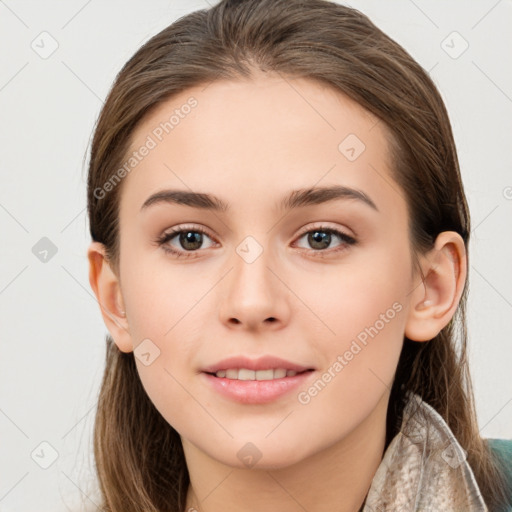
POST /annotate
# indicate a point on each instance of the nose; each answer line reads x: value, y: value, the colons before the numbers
x: 255, y: 296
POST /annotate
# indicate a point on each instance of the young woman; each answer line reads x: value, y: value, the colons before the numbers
x: 279, y: 250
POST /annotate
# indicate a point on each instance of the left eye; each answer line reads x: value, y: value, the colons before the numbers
x: 320, y: 238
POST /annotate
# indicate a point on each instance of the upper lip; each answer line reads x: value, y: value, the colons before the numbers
x: 262, y: 363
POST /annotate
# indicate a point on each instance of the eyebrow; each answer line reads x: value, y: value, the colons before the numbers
x: 295, y: 199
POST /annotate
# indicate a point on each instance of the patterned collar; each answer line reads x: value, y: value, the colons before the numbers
x: 424, y: 468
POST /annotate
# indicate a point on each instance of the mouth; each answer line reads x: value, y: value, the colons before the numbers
x: 259, y: 375
x: 263, y: 368
x: 255, y: 381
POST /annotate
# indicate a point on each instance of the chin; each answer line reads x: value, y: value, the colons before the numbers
x: 262, y: 455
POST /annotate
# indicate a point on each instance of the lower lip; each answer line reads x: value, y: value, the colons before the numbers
x: 256, y: 391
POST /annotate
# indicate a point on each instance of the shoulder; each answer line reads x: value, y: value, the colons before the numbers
x: 502, y: 448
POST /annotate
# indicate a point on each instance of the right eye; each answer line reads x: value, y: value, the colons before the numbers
x: 190, y: 239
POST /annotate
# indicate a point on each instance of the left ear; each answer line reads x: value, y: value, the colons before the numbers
x: 434, y: 302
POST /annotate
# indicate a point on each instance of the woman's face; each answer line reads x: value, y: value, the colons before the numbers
x: 319, y: 281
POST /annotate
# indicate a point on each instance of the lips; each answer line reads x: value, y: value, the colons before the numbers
x: 262, y: 363
x: 256, y: 381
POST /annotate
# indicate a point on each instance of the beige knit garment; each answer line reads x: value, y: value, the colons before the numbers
x: 424, y: 468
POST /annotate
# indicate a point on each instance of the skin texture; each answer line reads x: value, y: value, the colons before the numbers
x: 251, y: 142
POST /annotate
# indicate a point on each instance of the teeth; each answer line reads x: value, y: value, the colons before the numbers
x: 264, y: 375
x: 232, y: 374
x: 279, y: 373
x: 245, y: 374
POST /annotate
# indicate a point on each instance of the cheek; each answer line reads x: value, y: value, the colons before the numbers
x: 352, y: 298
x: 159, y: 295
x: 367, y: 315
x: 364, y: 309
x: 163, y: 305
x: 170, y: 394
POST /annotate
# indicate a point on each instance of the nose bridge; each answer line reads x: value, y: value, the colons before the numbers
x: 253, y: 293
x: 251, y: 273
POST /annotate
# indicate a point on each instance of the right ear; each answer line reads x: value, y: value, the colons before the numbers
x: 105, y: 284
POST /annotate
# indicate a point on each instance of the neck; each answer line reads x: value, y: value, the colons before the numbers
x: 337, y: 478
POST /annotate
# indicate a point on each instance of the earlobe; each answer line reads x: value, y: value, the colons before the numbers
x: 105, y: 285
x: 434, y: 302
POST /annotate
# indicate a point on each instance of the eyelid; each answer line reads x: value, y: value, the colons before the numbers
x: 167, y: 235
x: 171, y: 232
x: 324, y: 226
x: 201, y: 229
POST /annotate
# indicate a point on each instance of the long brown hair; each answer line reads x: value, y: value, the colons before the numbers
x: 139, y: 457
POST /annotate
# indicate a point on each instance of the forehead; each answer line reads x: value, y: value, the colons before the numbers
x: 258, y: 138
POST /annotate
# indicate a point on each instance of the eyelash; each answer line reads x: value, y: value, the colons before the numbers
x: 169, y: 235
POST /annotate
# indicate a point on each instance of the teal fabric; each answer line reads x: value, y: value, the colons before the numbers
x: 503, y: 449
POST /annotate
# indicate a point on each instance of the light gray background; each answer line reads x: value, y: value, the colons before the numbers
x: 52, y: 335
